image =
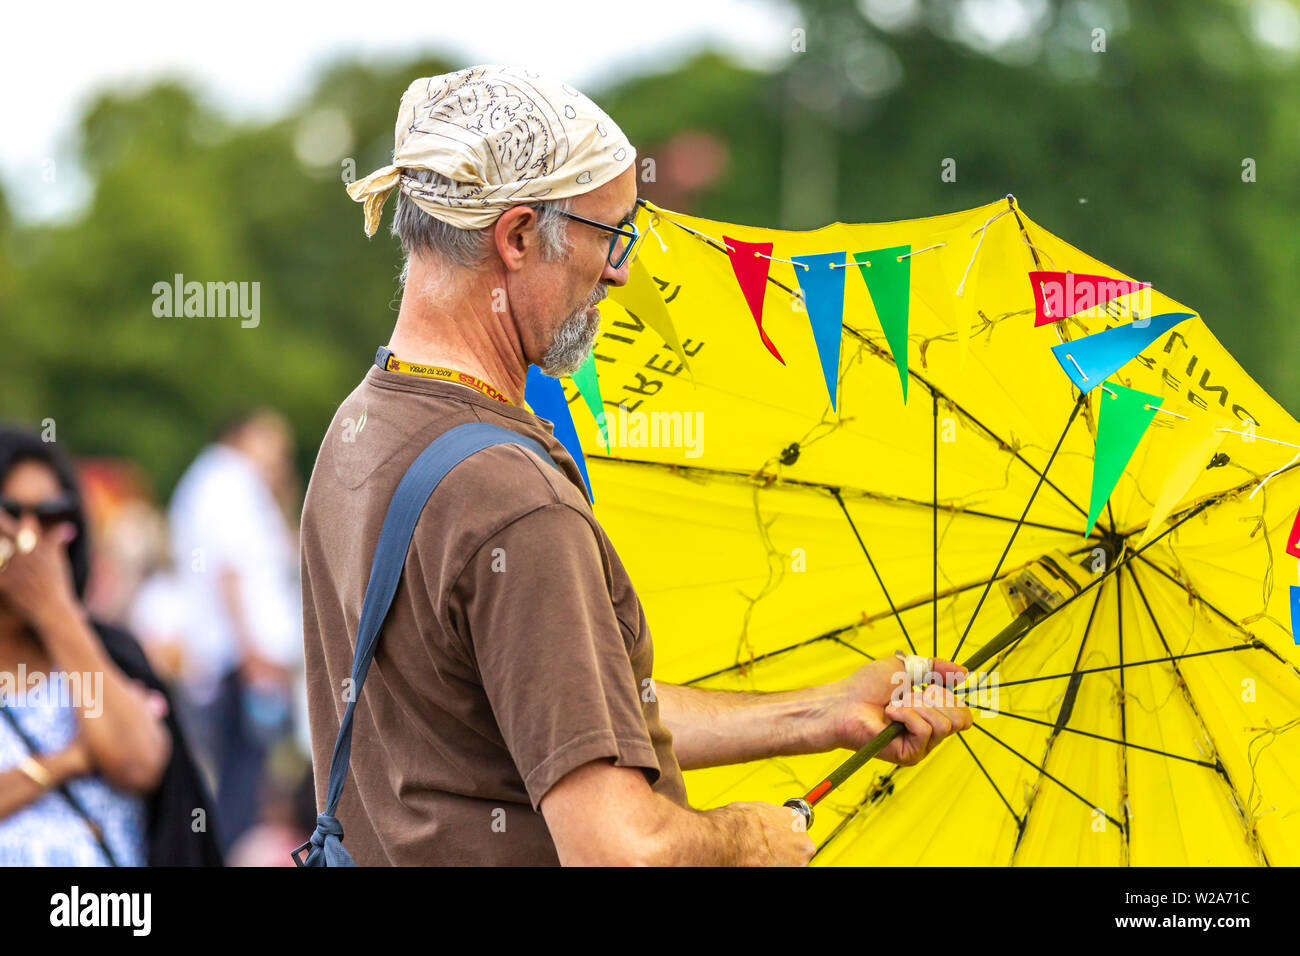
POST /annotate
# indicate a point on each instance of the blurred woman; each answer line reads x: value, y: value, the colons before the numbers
x: 94, y: 770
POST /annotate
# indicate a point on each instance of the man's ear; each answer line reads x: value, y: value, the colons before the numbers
x: 512, y: 236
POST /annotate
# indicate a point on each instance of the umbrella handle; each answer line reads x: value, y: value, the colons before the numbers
x: 801, y: 805
x: 1007, y: 636
x: 845, y: 770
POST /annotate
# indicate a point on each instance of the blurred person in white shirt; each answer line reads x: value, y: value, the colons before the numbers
x: 235, y: 558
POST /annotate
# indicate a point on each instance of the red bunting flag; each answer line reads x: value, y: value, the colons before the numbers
x: 1061, y: 294
x: 1293, y: 542
x: 751, y: 272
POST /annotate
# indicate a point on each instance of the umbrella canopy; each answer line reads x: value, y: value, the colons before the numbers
x: 821, y: 447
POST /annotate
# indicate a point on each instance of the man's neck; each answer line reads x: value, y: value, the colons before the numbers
x: 464, y: 335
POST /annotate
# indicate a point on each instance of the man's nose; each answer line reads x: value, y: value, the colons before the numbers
x: 616, y: 276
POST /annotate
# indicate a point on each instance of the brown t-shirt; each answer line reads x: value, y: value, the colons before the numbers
x: 515, y: 650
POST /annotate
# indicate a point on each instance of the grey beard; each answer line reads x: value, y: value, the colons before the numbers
x: 573, y: 340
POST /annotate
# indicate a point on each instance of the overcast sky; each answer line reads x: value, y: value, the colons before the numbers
x: 253, y: 59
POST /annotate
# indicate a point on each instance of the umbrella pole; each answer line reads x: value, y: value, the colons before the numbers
x: 1012, y: 632
x: 1017, y: 629
x: 1002, y: 640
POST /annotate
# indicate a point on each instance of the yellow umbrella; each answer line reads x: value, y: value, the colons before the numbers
x: 786, y: 515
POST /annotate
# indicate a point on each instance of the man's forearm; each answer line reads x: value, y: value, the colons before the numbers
x: 726, y: 836
x: 711, y: 728
x: 734, y: 835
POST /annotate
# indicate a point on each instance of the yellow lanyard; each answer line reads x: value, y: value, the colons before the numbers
x: 392, y: 363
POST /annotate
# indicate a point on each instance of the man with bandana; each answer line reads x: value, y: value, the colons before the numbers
x: 510, y: 716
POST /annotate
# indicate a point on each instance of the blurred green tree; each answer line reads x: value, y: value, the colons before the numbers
x: 1134, y: 154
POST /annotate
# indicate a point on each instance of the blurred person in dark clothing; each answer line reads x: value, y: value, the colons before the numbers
x: 94, y: 769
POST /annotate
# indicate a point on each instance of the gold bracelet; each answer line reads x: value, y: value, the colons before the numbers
x: 38, y: 774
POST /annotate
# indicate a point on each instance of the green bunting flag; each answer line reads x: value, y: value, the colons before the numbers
x: 1121, y: 423
x: 888, y: 274
x: 589, y: 389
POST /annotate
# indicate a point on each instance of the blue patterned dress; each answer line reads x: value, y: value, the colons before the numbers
x: 48, y: 832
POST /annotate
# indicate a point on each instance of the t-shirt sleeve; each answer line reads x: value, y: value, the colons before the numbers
x: 549, y: 650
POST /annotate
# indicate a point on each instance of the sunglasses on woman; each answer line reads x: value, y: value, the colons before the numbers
x: 47, y: 513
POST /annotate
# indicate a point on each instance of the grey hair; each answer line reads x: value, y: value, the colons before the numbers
x: 421, y: 233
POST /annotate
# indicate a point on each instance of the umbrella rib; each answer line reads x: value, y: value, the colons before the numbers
x: 1033, y: 251
x: 1014, y: 531
x: 834, y: 635
x: 1243, y: 808
x: 856, y: 650
x: 1076, y: 678
x: 912, y: 373
x: 1111, y: 667
x: 1019, y: 457
x: 874, y: 795
x: 879, y: 580
x: 822, y: 486
x: 1086, y: 733
x: 1128, y: 556
x: 934, y: 522
x: 1063, y: 715
x: 1020, y: 824
x: 1258, y: 641
x: 880, y: 791
x: 1002, y: 443
x: 950, y: 592
x: 1123, y: 709
x: 749, y: 661
x: 1044, y: 771
x: 1222, y: 496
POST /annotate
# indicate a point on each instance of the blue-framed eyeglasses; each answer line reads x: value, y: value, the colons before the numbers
x: 626, y: 237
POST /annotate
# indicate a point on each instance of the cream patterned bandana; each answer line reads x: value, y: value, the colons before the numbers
x: 504, y: 136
